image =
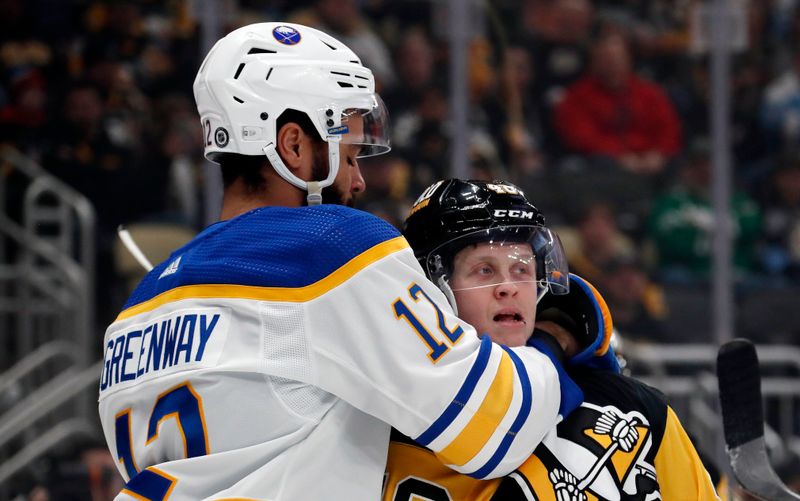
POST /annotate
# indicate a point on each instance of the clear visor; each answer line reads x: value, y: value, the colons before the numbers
x: 522, y: 255
x: 367, y: 127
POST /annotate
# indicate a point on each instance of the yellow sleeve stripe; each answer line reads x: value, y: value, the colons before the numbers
x: 484, y: 422
x: 284, y: 294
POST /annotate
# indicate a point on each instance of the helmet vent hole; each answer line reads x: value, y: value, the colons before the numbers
x: 268, y: 74
x: 238, y: 100
x: 329, y: 45
x: 351, y: 80
x: 256, y: 50
x: 356, y: 61
x: 238, y: 71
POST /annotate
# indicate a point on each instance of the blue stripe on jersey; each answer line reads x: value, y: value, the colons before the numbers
x: 269, y: 247
x: 522, y: 416
x: 461, y: 398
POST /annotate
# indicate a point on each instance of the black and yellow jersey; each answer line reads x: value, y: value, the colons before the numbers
x: 623, y: 443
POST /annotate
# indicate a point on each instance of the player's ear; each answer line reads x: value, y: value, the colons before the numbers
x: 292, y: 142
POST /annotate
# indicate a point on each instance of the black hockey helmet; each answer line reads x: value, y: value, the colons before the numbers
x: 453, y: 213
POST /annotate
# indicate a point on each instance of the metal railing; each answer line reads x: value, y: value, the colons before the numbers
x: 47, y: 332
x: 686, y: 373
x: 50, y: 397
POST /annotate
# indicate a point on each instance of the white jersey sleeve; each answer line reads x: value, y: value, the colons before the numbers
x: 387, y: 341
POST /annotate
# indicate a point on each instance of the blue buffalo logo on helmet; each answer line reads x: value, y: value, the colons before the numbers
x: 286, y: 35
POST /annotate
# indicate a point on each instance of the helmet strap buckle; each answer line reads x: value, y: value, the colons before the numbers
x: 314, y: 193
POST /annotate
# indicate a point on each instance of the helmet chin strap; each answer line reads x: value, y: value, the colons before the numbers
x: 314, y: 188
x: 542, y: 295
x: 280, y: 167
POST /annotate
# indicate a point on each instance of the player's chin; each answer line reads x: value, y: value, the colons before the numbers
x: 331, y: 195
x: 510, y: 336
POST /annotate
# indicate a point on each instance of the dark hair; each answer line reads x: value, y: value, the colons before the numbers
x: 248, y: 167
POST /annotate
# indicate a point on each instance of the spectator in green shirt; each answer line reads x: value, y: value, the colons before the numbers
x: 682, y: 222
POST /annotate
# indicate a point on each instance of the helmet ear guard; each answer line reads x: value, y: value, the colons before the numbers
x: 255, y: 73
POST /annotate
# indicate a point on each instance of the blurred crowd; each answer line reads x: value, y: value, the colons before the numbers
x: 598, y: 109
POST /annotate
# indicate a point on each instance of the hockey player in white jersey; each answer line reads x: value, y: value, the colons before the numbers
x: 268, y: 358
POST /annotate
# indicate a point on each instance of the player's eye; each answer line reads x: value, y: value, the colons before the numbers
x: 521, y: 269
x: 484, y: 270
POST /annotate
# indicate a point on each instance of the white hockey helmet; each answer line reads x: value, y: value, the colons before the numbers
x: 255, y: 73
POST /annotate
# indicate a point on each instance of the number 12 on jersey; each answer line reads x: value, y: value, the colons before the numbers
x: 437, y: 348
x: 181, y: 403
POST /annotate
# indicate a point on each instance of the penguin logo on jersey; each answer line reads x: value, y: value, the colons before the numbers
x: 616, y: 465
x: 602, y: 453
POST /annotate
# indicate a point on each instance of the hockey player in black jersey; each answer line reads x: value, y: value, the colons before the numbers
x: 623, y: 442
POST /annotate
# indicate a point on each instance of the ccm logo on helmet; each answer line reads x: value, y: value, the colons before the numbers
x: 521, y: 214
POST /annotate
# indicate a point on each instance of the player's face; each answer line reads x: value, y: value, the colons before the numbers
x: 349, y: 181
x: 495, y: 290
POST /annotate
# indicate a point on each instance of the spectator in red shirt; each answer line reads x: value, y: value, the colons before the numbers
x: 611, y: 111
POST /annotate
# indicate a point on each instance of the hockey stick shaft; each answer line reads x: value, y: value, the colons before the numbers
x: 136, y: 252
x: 739, y: 379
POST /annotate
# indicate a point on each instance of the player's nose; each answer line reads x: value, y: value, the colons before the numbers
x: 505, y: 288
x: 357, y: 183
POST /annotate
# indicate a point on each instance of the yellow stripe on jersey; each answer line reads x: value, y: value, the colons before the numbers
x: 283, y: 294
x: 484, y: 422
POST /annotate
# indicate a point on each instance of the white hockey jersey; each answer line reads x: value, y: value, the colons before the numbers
x: 268, y: 358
